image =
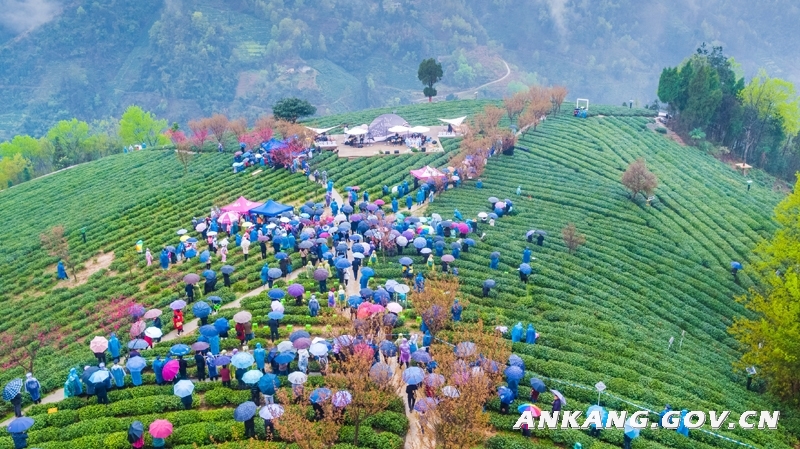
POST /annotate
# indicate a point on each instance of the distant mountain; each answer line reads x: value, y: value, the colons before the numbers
x: 182, y: 59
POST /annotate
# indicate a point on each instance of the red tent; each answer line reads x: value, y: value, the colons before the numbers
x: 241, y: 206
x: 426, y: 172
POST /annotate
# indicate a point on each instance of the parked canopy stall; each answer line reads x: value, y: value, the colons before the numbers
x: 426, y: 172
x: 271, y: 209
x: 241, y: 206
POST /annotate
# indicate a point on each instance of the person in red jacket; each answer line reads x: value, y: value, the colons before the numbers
x: 225, y: 374
x: 177, y: 321
x: 240, y: 334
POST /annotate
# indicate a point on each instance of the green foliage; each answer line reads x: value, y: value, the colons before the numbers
x: 138, y: 126
x: 429, y: 72
x: 71, y: 143
x: 291, y: 109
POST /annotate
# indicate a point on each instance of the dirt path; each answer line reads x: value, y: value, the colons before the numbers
x: 472, y: 91
x: 92, y: 266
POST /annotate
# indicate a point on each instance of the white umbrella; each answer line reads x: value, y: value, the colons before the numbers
x: 153, y: 332
x: 398, y: 129
x: 271, y: 411
x: 356, y: 132
x: 285, y: 346
x: 297, y: 378
x: 318, y: 349
x: 321, y: 130
x: 182, y: 231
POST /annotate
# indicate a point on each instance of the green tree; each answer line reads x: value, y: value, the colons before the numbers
x: 70, y: 140
x: 139, y: 126
x: 429, y: 72
x: 12, y: 169
x: 37, y: 151
x: 771, y: 339
x: 291, y: 109
x: 768, y: 99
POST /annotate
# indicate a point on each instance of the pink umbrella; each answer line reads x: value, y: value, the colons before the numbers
x: 364, y: 310
x: 228, y: 218
x: 376, y: 308
x: 160, y: 428
x: 302, y: 343
x: 98, y: 344
x: 137, y: 328
x: 152, y: 313
x: 394, y: 307
x: 463, y: 228
x: 379, y: 202
x: 170, y: 370
x: 324, y: 235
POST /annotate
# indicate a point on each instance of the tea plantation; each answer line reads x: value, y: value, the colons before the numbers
x: 605, y: 313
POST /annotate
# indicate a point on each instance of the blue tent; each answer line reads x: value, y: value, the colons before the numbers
x: 273, y: 144
x: 271, y: 209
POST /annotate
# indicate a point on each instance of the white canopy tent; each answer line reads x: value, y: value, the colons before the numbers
x: 357, y: 131
x: 399, y: 129
x: 321, y: 130
x: 419, y: 129
x: 454, y: 121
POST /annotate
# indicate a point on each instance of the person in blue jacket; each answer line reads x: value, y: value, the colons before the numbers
x: 456, y: 310
x: 494, y: 262
x: 136, y: 377
x: 163, y: 259
x: 530, y: 334
x: 313, y: 306
x: 118, y: 373
x: 516, y: 332
x: 264, y: 274
x: 420, y: 197
x: 456, y: 251
x: 395, y: 205
x: 682, y: 429
x: 158, y: 366
x: 526, y: 255
x: 62, y: 272
x: 114, y: 347
x: 330, y: 185
x: 74, y: 382
x: 20, y: 440
x: 409, y: 202
x: 34, y: 388
x: 334, y: 207
x: 260, y: 354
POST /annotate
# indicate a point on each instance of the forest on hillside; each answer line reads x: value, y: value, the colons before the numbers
x: 61, y: 59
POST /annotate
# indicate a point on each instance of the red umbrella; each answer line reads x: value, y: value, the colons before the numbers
x: 364, y: 310
x: 137, y: 328
x: 363, y: 348
x: 161, y: 428
x: 170, y: 370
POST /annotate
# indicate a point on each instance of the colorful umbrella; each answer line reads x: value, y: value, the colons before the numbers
x: 271, y: 411
x: 183, y: 388
x: 342, y: 398
x: 320, y: 395
x: 170, y: 370
x: 98, y: 344
x: 535, y: 411
x: 295, y: 290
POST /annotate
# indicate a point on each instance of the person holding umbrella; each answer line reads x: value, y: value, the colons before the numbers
x: 177, y: 320
x: 158, y: 366
x: 11, y: 393
x: 136, y: 434
x: 273, y: 329
x: 456, y: 310
x: 200, y: 363
x: 100, y: 389
x: 18, y: 429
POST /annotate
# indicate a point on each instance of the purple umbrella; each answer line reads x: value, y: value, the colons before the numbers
x: 321, y: 274
x: 136, y: 310
x: 408, y: 234
x: 296, y: 290
x: 302, y: 343
x: 341, y: 398
x: 448, y: 258
x: 199, y: 346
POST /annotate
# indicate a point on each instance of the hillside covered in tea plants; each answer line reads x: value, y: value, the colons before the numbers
x: 605, y: 313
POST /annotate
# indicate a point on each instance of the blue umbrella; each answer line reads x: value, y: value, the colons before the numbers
x: 514, y: 373
x: 201, y: 309
x: 355, y: 238
x: 320, y: 395
x: 268, y: 383
x: 180, y: 349
x: 222, y: 360
x: 284, y: 357
x: 281, y: 255
x: 344, y: 226
x: 275, y: 315
x: 245, y: 411
x: 538, y: 385
x: 736, y: 265
x: 367, y: 271
x: 525, y: 268
x: 20, y: 425
x: 138, y: 343
x: 276, y: 294
x: 380, y: 372
x: 183, y: 388
x: 354, y: 301
x: 366, y: 292
x: 421, y: 356
x: 489, y: 283
x: 99, y: 376
x: 493, y: 216
x: 388, y: 348
x: 405, y: 261
x: 209, y: 330
x: 515, y: 360
x: 343, y: 264
x: 252, y: 377
x: 209, y: 274
x: 298, y: 334
x: 275, y: 273
x: 222, y: 324
x: 494, y: 255
x: 506, y: 395
x: 227, y: 269
x: 381, y: 294
x: 358, y: 248
x: 469, y: 242
x: 420, y: 243
x: 12, y: 389
x: 601, y: 410
x: 136, y: 363
x: 243, y: 360
x: 413, y: 375
x: 191, y: 240
x: 215, y: 299
x: 630, y: 431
